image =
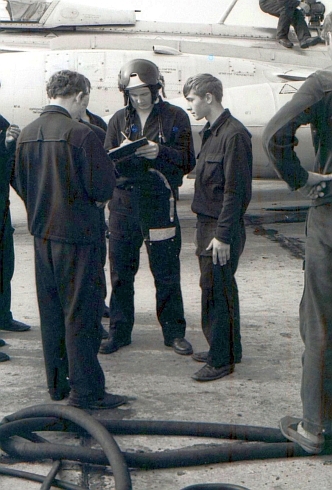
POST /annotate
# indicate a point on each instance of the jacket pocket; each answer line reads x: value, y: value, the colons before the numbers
x: 213, y: 169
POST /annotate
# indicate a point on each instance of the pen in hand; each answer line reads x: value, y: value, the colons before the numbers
x: 126, y: 140
x: 125, y: 136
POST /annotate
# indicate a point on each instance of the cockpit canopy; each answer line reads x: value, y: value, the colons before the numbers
x: 25, y: 10
x: 60, y: 13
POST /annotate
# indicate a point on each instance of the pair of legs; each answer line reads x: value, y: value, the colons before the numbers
x: 6, y: 273
x: 131, y: 218
x: 7, y: 322
x: 288, y: 15
x: 70, y: 297
x: 220, y: 313
x: 316, y: 322
x: 316, y: 333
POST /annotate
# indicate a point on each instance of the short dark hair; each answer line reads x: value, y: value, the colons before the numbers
x: 203, y: 84
x: 65, y: 83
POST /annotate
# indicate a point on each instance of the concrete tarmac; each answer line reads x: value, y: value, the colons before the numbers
x: 262, y: 389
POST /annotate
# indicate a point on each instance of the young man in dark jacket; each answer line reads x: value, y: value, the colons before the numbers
x: 143, y: 206
x: 222, y: 194
x: 312, y: 104
x: 62, y: 172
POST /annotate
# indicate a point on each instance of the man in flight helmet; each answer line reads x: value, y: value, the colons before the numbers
x: 143, y: 207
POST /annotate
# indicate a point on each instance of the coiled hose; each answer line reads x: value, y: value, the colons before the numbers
x: 255, y: 443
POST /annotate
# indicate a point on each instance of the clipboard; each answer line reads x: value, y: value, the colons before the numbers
x: 126, y: 150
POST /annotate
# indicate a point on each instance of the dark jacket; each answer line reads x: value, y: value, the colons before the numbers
x: 61, y: 171
x: 312, y: 104
x: 167, y: 125
x: 96, y: 120
x: 224, y: 174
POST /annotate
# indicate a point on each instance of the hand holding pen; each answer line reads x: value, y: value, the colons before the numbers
x: 126, y: 140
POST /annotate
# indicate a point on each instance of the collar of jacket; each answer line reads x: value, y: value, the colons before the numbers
x: 56, y: 108
x: 217, y: 123
x: 207, y: 130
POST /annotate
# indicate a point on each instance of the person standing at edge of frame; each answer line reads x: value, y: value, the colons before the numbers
x: 222, y: 194
x: 8, y: 136
x: 312, y: 104
x: 143, y: 207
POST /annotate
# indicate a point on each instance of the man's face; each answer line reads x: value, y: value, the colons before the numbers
x: 79, y: 105
x: 141, y: 99
x: 197, y: 106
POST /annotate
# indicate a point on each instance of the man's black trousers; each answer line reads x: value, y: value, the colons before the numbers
x: 69, y: 281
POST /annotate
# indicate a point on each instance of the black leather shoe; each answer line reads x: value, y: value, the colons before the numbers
x: 210, y: 373
x: 200, y: 356
x: 310, y: 41
x: 4, y: 357
x: 60, y: 395
x: 111, y: 346
x: 181, y: 346
x: 107, y: 402
x: 106, y: 313
x: 2, y: 343
x: 203, y: 357
x: 286, y: 43
x: 15, y: 326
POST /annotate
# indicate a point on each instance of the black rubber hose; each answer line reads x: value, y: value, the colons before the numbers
x: 47, y: 483
x: 194, y: 429
x: 168, y: 459
x: 214, y: 486
x: 37, y: 478
x: 172, y: 428
x: 92, y: 426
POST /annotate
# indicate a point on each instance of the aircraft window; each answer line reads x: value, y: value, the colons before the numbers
x: 25, y: 10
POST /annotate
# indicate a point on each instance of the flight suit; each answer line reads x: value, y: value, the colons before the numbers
x: 143, y: 208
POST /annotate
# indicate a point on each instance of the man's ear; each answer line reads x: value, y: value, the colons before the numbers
x: 79, y: 97
x: 208, y: 97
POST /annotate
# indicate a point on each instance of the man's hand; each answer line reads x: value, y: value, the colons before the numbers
x: 12, y: 134
x: 220, y: 251
x: 315, y: 185
x: 150, y: 151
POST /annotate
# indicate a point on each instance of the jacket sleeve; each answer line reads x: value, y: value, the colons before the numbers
x: 178, y: 150
x: 237, y: 191
x: 283, y: 156
x: 279, y: 137
x: 111, y: 138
